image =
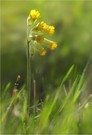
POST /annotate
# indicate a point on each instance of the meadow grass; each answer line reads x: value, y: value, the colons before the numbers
x: 62, y: 112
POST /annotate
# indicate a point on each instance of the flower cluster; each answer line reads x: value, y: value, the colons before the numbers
x: 42, y: 26
x: 35, y: 34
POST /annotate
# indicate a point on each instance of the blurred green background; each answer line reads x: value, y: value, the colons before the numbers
x: 73, y: 23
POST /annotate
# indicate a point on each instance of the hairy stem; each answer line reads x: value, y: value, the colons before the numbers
x: 28, y: 76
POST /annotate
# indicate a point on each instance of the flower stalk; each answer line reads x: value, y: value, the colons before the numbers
x: 36, y: 42
x: 28, y: 75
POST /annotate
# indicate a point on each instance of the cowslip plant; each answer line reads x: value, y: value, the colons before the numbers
x: 36, y: 41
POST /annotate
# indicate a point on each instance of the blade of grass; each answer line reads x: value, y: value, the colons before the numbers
x: 80, y: 84
x: 67, y: 75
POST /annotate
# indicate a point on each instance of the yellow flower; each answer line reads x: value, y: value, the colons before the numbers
x: 50, y: 29
x: 39, y: 39
x: 42, y: 26
x: 34, y: 14
x: 43, y: 52
x: 53, y: 45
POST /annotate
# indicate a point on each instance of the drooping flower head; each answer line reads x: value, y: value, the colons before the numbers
x: 50, y: 29
x: 53, y: 46
x: 39, y: 39
x: 42, y: 26
x: 36, y: 31
x: 43, y: 52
